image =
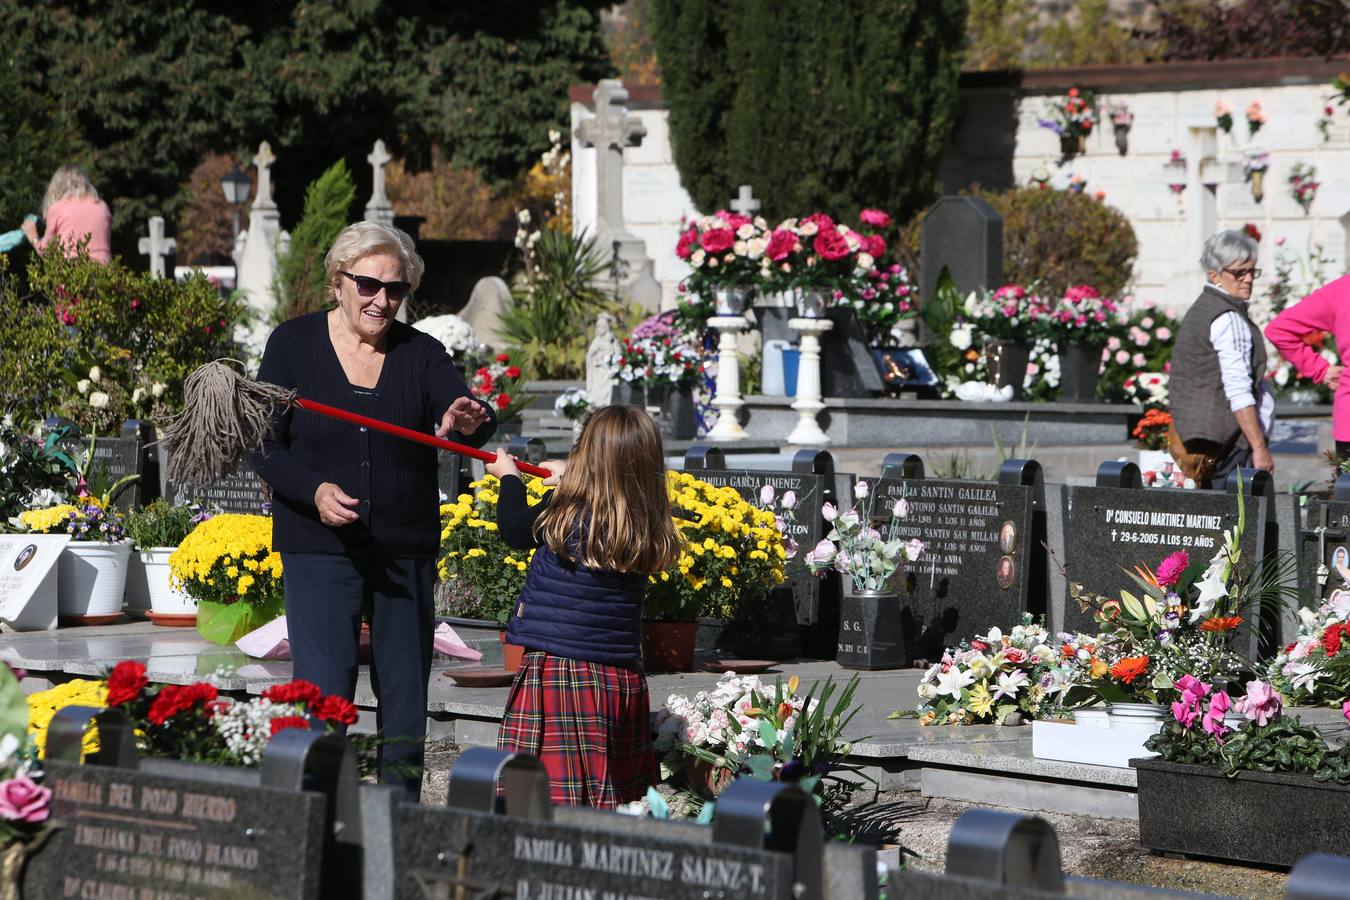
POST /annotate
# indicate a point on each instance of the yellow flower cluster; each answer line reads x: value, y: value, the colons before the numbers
x: 43, y: 705
x: 229, y: 557
x: 47, y: 521
x: 486, y: 575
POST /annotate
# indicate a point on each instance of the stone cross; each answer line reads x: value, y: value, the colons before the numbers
x: 609, y: 132
x: 156, y: 246
x: 378, y: 209
x: 745, y: 202
x: 262, y: 161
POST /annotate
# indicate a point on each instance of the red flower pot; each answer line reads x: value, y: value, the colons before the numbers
x: 512, y: 655
x: 668, y: 646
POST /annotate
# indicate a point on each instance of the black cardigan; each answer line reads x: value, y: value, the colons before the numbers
x: 395, y: 479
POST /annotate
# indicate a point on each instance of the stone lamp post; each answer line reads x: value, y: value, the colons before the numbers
x: 728, y: 400
x: 809, y: 402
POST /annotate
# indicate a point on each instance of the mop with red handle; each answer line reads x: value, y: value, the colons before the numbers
x: 226, y: 415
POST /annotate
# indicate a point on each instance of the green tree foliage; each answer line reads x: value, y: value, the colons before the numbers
x: 1091, y: 35
x: 301, y: 283
x: 155, y: 86
x: 824, y: 106
x: 998, y: 32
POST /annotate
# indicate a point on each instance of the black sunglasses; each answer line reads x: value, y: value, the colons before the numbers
x: 369, y: 287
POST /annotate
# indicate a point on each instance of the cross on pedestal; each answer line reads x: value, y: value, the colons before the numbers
x: 609, y: 132
x: 379, y: 208
x: 745, y: 202
x: 156, y: 246
x: 262, y: 161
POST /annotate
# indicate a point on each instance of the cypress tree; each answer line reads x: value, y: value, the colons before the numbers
x: 300, y: 284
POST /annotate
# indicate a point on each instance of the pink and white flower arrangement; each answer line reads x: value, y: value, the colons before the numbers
x: 1007, y: 312
x: 1315, y: 668
x: 1082, y: 316
x: 725, y: 249
x: 856, y: 548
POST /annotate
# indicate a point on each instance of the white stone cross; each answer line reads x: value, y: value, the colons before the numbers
x: 262, y: 161
x: 156, y: 246
x: 379, y: 208
x: 609, y: 132
x: 745, y: 202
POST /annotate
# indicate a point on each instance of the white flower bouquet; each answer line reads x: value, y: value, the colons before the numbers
x: 452, y: 331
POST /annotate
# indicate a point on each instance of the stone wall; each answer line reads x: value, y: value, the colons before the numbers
x: 998, y: 142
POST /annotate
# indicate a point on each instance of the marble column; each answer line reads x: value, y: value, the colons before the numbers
x: 809, y: 402
x: 728, y: 400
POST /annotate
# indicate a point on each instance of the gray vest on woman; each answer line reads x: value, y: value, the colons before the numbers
x: 1195, y: 387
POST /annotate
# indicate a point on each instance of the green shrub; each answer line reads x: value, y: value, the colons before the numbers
x: 161, y: 524
x: 301, y: 287
x: 1063, y: 238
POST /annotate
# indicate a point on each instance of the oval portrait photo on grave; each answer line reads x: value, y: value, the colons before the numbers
x: 1007, y: 537
x: 25, y: 557
x: 1340, y: 558
x: 1005, y: 572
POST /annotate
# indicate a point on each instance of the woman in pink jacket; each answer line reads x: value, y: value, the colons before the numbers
x: 73, y: 212
x: 1325, y: 309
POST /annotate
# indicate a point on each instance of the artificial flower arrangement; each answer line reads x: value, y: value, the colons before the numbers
x: 731, y: 549
x: 1081, y: 316
x: 498, y: 385
x: 657, y: 362
x: 1007, y: 313
x: 854, y: 547
x: 573, y: 404
x: 1303, y: 185
x: 888, y: 299
x: 1074, y: 116
x: 1314, y: 669
x: 455, y: 334
x: 228, y: 566
x: 724, y: 249
x: 1203, y: 732
x: 999, y: 678
x: 741, y: 727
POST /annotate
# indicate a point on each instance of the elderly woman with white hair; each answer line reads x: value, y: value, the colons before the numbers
x: 1222, y: 411
x: 356, y: 512
x: 74, y: 215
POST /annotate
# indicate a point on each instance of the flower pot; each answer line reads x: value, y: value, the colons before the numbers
x: 732, y: 301
x: 1007, y: 362
x: 1147, y: 718
x: 91, y: 579
x: 1078, y: 368
x: 512, y: 654
x: 628, y: 394
x: 1072, y: 145
x: 165, y: 599
x: 1123, y: 139
x: 1092, y: 716
x: 136, y: 597
x: 1275, y: 819
x: 679, y: 415
x: 668, y: 646
x: 812, y: 304
x: 709, y: 640
x: 225, y: 623
x: 871, y: 635
x: 707, y: 780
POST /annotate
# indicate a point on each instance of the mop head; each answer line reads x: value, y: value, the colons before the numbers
x: 225, y: 415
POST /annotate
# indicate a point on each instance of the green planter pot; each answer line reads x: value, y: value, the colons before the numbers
x: 225, y: 623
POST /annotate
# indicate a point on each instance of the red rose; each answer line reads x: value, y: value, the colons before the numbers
x: 334, y: 709
x: 821, y: 221
x: 717, y: 240
x: 830, y: 245
x: 874, y: 245
x: 125, y: 682
x: 781, y: 243
x: 685, y: 248
x: 503, y: 357
x: 1015, y: 655
x: 298, y: 691
x: 735, y: 220
x: 281, y: 723
x: 503, y: 401
x: 513, y: 372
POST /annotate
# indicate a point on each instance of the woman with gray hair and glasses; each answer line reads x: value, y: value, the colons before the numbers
x: 1222, y: 411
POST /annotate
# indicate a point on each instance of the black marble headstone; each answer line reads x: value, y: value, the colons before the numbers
x: 847, y: 368
x: 1111, y: 529
x: 1324, y: 539
x: 241, y: 491
x: 132, y: 452
x: 964, y: 236
x: 981, y: 555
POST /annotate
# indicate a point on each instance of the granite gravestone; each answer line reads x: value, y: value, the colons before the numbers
x: 162, y: 828
x: 239, y: 491
x: 962, y: 236
x: 1118, y: 524
x: 847, y: 368
x: 983, y: 561
x: 812, y: 480
x: 132, y: 452
x: 1324, y: 544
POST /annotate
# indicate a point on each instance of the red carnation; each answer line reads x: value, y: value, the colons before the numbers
x: 821, y: 221
x: 503, y: 357
x: 281, y: 723
x: 513, y: 372
x: 298, y: 691
x: 685, y: 248
x: 125, y: 682
x: 503, y: 401
x: 1331, y: 639
x: 334, y: 709
x: 781, y: 243
x: 173, y: 699
x: 830, y: 245
x: 735, y: 220
x: 717, y: 240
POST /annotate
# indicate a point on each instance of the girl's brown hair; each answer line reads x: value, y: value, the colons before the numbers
x: 611, y: 509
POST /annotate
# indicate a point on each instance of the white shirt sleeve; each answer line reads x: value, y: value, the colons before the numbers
x: 1232, y: 340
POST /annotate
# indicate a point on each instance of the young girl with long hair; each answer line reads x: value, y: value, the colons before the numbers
x: 580, y: 700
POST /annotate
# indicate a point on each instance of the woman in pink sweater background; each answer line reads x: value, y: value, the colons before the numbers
x: 1325, y: 309
x: 73, y: 211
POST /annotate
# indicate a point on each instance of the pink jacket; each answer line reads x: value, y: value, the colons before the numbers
x: 1325, y: 309
x: 70, y: 219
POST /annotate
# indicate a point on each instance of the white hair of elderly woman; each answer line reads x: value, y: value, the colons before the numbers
x: 361, y: 239
x: 68, y: 181
x: 1225, y: 248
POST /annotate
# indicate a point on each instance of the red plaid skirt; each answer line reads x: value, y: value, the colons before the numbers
x: 590, y: 725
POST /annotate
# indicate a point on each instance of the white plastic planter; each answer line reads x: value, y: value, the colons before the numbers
x: 164, y: 598
x: 92, y: 577
x: 1087, y: 744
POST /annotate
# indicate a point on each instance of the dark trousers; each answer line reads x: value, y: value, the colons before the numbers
x: 326, y: 596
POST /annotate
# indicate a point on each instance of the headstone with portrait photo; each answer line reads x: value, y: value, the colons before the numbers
x: 983, y: 563
x: 28, y: 580
x: 1323, y: 546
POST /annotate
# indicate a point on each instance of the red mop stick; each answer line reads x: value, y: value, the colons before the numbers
x: 430, y: 440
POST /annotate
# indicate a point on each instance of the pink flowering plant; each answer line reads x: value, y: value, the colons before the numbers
x: 1249, y: 733
x: 724, y: 249
x: 1009, y: 313
x: 1082, y: 316
x: 1138, y: 357
x: 25, y: 803
x: 1303, y: 185
x: 856, y: 548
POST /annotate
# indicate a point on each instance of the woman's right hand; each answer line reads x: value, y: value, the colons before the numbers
x: 335, y: 507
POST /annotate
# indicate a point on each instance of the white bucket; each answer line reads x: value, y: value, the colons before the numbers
x: 92, y: 578
x: 1093, y: 716
x: 1142, y: 717
x: 164, y: 598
